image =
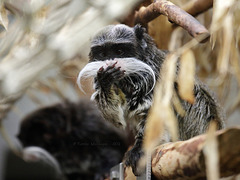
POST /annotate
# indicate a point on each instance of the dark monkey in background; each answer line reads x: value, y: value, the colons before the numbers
x: 75, y: 134
x: 125, y: 64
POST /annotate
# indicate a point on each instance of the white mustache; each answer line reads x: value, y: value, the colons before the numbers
x: 129, y: 65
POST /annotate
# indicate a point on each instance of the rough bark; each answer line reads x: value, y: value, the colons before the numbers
x: 175, y: 15
x: 184, y: 160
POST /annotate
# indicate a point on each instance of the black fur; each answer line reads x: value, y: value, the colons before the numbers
x: 121, y: 96
x: 85, y: 145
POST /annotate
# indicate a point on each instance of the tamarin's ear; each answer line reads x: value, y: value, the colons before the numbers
x: 139, y: 31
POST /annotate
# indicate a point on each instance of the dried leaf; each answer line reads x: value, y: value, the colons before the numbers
x: 168, y: 77
x: 161, y: 122
x: 224, y: 55
x: 155, y: 122
x: 3, y: 17
x: 220, y: 10
x: 186, y: 76
x: 175, y: 41
x: 161, y: 117
x: 167, y: 82
x: 211, y: 153
x: 177, y: 105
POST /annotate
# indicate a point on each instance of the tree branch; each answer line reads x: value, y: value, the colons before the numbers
x: 185, y: 159
x: 175, y: 15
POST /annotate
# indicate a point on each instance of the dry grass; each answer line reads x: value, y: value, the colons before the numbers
x: 216, y: 63
x: 43, y: 36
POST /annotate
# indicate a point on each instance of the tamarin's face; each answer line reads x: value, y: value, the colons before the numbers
x: 118, y: 51
x: 113, y: 42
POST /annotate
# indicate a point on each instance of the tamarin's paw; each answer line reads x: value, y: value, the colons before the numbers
x: 110, y: 74
x: 132, y: 158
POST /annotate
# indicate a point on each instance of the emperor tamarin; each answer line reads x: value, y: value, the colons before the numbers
x: 125, y: 64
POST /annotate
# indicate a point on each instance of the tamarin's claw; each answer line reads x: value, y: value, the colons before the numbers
x: 132, y: 158
x: 101, y: 69
x: 109, y: 75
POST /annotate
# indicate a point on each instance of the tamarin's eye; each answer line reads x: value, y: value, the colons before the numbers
x: 102, y: 54
x: 119, y: 52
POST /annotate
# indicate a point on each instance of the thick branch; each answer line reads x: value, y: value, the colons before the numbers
x: 175, y: 15
x: 196, y: 7
x: 185, y: 159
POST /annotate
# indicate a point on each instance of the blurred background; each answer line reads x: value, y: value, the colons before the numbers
x: 45, y: 43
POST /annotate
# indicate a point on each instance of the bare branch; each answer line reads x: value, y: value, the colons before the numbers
x: 174, y: 14
x: 185, y: 159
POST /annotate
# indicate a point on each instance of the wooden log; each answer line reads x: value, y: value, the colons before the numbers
x: 185, y: 159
